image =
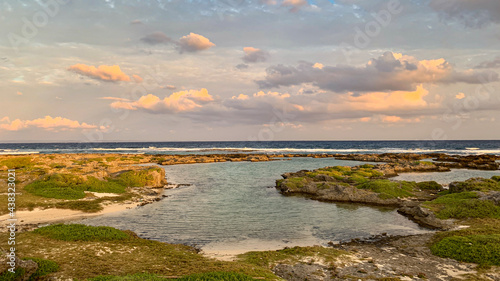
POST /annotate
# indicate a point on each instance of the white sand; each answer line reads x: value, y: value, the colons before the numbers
x: 38, y: 216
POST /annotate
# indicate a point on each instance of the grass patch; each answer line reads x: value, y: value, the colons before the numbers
x: 293, y: 255
x: 67, y: 186
x: 429, y: 185
x: 17, y: 162
x: 134, y: 256
x: 87, y: 206
x: 59, y: 186
x: 390, y: 189
x: 480, y: 249
x: 138, y: 178
x: 479, y: 184
x: 9, y: 276
x: 496, y: 178
x: 109, y: 186
x: 463, y: 205
x: 80, y: 232
x: 44, y: 267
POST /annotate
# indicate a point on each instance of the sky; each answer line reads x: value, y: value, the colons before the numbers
x: 258, y: 70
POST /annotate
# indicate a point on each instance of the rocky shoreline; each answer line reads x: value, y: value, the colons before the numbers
x: 380, y: 258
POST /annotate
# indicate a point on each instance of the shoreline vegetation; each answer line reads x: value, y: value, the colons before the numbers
x: 56, y: 188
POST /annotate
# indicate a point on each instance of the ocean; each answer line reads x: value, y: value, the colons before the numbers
x: 462, y: 147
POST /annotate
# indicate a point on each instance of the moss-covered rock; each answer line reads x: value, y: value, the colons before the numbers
x: 479, y: 184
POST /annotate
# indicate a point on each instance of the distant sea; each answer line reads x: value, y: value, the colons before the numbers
x: 463, y: 147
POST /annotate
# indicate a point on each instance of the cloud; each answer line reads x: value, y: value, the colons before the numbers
x: 387, y: 101
x: 471, y: 13
x: 253, y: 55
x: 460, y: 96
x: 194, y: 43
x: 294, y: 5
x: 136, y: 22
x: 137, y: 78
x: 242, y: 66
x: 103, y: 72
x: 47, y: 123
x: 113, y: 98
x: 157, y: 37
x: 19, y: 93
x: 495, y: 63
x: 170, y: 87
x: 389, y: 72
x: 177, y: 102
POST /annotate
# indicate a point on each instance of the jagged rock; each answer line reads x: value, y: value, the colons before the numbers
x: 493, y: 196
x: 424, y: 217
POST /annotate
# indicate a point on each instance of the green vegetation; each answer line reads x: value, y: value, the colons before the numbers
x: 390, y: 189
x: 429, y: 185
x: 44, y: 267
x: 8, y: 276
x: 17, y: 162
x: 129, y: 277
x: 85, y: 253
x: 67, y: 186
x: 355, y: 175
x: 59, y: 186
x: 496, y: 178
x: 57, y: 166
x: 80, y: 232
x: 481, y: 249
x: 426, y: 163
x: 138, y: 178
x: 292, y: 255
x: 478, y: 184
x: 296, y: 183
x: 217, y: 276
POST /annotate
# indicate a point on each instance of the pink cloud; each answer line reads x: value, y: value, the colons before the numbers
x: 47, y: 123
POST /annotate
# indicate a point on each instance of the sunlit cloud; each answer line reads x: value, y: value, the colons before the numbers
x: 47, y: 123
x: 194, y: 43
x: 253, y: 55
x: 110, y: 73
x: 177, y: 102
x: 389, y: 72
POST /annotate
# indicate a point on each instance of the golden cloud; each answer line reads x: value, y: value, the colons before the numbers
x: 176, y: 102
x: 103, y: 72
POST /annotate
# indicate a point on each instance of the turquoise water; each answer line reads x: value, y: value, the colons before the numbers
x: 235, y: 206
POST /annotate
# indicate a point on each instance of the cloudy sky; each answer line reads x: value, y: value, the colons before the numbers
x: 172, y: 70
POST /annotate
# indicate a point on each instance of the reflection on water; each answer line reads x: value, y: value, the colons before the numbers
x: 236, y: 204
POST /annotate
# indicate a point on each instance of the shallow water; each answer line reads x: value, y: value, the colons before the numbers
x: 234, y: 206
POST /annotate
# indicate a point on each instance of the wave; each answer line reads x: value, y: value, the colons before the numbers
x: 18, y: 152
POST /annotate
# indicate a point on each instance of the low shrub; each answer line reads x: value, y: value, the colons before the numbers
x: 480, y: 249
x: 138, y: 178
x: 478, y: 184
x: 17, y: 162
x: 463, y: 205
x: 80, y: 232
x: 429, y: 185
x: 390, y: 189
x: 44, y: 267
